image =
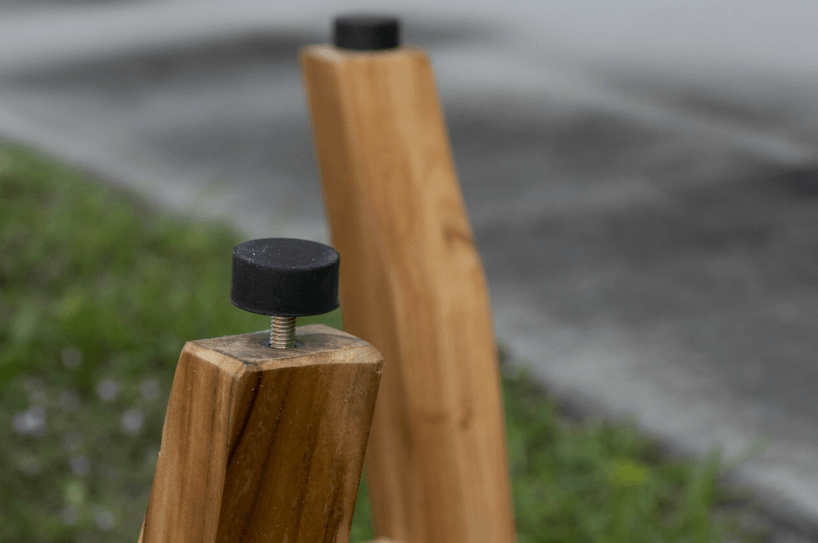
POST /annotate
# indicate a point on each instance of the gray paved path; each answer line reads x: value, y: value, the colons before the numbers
x: 651, y: 247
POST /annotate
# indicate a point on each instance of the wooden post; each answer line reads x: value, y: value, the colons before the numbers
x: 262, y: 444
x: 413, y: 286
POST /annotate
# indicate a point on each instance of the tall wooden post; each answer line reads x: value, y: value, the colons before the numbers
x: 264, y: 444
x: 413, y: 286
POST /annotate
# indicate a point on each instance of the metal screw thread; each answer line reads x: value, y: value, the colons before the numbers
x: 282, y: 332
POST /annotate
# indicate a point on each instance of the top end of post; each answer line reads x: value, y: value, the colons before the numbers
x: 367, y: 33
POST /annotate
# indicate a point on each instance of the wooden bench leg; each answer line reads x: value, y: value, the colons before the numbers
x: 412, y: 285
x: 262, y: 444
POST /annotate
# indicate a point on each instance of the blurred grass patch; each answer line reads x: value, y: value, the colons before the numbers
x: 603, y: 482
x: 97, y: 296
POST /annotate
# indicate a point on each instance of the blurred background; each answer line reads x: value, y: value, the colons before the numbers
x: 640, y: 175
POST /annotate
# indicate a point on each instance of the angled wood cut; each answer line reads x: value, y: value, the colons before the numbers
x: 413, y: 286
x: 262, y: 444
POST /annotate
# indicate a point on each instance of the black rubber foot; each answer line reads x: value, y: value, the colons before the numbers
x: 285, y: 277
x: 367, y: 33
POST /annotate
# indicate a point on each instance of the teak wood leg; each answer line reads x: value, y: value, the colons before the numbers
x: 262, y: 444
x: 413, y: 286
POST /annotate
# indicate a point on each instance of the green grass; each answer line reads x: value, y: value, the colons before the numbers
x: 97, y: 296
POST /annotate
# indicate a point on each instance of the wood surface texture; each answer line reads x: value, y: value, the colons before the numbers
x: 412, y: 285
x: 262, y: 444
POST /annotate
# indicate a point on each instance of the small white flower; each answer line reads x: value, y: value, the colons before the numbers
x: 71, y: 357
x: 149, y: 389
x: 107, y: 389
x: 132, y: 421
x: 34, y: 384
x: 104, y: 519
x: 69, y: 400
x: 79, y: 465
x: 30, y: 422
x: 36, y: 391
x: 69, y: 515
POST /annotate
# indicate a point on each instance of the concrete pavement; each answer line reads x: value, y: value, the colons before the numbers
x: 650, y: 246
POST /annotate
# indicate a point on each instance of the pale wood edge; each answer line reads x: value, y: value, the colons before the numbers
x: 239, y: 354
x: 334, y: 55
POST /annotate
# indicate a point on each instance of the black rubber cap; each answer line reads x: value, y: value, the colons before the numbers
x: 367, y: 33
x: 285, y: 277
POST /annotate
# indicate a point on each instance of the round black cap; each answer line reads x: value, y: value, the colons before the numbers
x: 366, y: 33
x: 285, y: 277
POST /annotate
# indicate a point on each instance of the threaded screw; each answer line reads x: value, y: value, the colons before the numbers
x: 282, y: 332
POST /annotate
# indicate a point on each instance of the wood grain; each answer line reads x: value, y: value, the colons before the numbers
x: 262, y: 444
x: 412, y: 285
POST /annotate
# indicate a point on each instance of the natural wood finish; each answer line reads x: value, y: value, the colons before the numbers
x: 262, y: 444
x: 412, y: 285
